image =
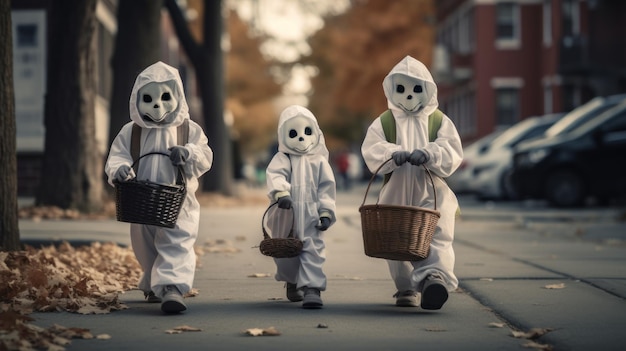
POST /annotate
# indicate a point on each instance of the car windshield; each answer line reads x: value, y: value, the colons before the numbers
x: 512, y: 133
x: 578, y: 116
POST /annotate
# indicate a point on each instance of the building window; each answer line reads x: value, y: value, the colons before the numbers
x: 507, y: 25
x: 571, y: 18
x: 547, y: 23
x: 507, y: 106
x: 547, y: 99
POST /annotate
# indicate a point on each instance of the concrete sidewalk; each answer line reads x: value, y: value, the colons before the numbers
x: 504, y: 266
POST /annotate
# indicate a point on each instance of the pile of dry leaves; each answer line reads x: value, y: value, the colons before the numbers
x: 86, y: 280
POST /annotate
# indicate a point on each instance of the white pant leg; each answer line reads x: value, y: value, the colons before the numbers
x: 287, y: 269
x: 176, y: 262
x: 441, y: 258
x: 400, y: 272
x: 142, y: 241
x: 312, y: 260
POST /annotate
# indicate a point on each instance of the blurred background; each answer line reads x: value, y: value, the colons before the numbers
x: 507, y: 71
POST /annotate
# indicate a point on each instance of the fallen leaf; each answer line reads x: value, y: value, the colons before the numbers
x: 486, y: 279
x: 555, y: 286
x: 271, y: 331
x: 187, y: 328
x: 254, y: 331
x: 496, y: 325
x: 259, y: 275
x: 538, y: 346
x: 322, y: 325
x: 103, y: 336
x: 172, y: 331
x: 533, y: 333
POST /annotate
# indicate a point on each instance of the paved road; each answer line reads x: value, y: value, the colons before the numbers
x: 507, y: 256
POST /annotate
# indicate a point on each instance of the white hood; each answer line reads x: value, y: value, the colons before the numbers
x: 159, y: 72
x: 415, y: 69
x: 295, y: 111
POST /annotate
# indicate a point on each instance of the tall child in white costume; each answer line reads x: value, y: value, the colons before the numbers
x: 299, y: 176
x: 157, y: 104
x: 412, y: 96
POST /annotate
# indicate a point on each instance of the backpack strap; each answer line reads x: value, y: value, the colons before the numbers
x: 135, y: 145
x: 182, y: 138
x: 389, y: 128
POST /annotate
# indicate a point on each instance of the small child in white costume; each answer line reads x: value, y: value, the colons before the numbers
x: 299, y: 177
x: 166, y: 255
x: 412, y: 96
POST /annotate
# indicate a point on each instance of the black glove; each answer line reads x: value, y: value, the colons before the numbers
x: 124, y: 173
x: 284, y: 202
x: 400, y: 157
x: 418, y: 157
x: 324, y: 223
x: 179, y: 155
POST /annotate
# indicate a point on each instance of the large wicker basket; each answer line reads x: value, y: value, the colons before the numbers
x: 146, y: 202
x: 400, y: 233
x: 286, y: 247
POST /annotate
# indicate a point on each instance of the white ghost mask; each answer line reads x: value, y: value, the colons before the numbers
x: 408, y: 93
x: 156, y: 100
x: 300, y: 134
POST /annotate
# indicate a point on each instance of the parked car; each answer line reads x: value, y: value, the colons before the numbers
x: 461, y: 180
x: 582, y: 114
x: 570, y: 168
x: 492, y: 167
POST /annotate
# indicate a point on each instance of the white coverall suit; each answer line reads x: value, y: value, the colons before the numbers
x: 309, y: 180
x: 166, y: 255
x: 409, y: 185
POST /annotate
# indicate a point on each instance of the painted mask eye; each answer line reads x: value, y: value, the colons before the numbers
x: 147, y: 98
x: 293, y: 133
x: 308, y: 131
x: 400, y: 88
x: 417, y: 89
x: 166, y: 97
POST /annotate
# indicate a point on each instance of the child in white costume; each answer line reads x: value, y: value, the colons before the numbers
x: 412, y: 96
x: 166, y: 255
x: 300, y: 177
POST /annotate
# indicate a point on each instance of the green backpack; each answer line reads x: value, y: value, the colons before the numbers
x: 389, y: 127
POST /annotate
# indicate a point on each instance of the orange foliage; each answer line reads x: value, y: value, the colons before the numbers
x: 250, y: 88
x: 355, y: 51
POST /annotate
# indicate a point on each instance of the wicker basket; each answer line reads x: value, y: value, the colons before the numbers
x: 289, y: 246
x: 400, y: 233
x: 146, y: 202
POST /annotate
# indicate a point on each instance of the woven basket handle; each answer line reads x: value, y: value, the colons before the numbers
x: 378, y: 170
x: 293, y: 220
x: 180, y: 176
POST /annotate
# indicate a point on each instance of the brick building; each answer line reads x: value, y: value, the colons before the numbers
x: 500, y: 61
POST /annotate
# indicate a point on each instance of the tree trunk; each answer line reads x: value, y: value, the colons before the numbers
x: 9, y: 230
x: 137, y: 46
x: 209, y: 66
x: 72, y: 165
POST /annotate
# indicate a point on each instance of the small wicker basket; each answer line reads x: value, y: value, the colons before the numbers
x: 400, y: 233
x: 289, y: 246
x: 146, y: 202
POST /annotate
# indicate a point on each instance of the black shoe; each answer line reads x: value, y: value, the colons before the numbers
x: 434, y: 293
x: 293, y: 293
x: 172, y: 300
x: 312, y: 299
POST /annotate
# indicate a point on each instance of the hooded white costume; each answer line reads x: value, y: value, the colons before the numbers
x: 409, y: 185
x: 304, y: 174
x: 166, y: 255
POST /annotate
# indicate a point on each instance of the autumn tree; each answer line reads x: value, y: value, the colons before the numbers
x: 137, y: 46
x: 250, y: 88
x: 206, y: 56
x: 9, y: 230
x: 72, y: 164
x: 355, y: 51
